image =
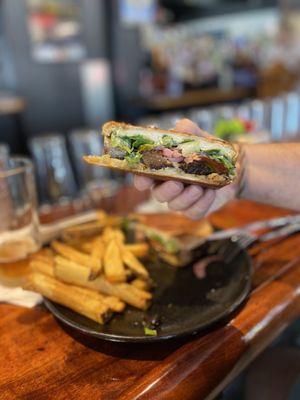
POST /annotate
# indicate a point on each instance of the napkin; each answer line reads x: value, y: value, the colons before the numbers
x: 152, y: 206
x: 19, y: 297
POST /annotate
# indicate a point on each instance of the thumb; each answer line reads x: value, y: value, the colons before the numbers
x: 188, y: 126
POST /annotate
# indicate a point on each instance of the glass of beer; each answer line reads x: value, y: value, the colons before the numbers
x: 19, y: 234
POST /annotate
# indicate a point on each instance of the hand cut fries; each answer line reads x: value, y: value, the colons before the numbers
x: 70, y: 272
x: 97, y: 253
x: 75, y: 255
x: 133, y: 263
x: 96, y: 273
x: 47, y: 267
x: 78, y: 299
x: 141, y: 284
x: 93, y: 271
x: 140, y: 250
x: 113, y: 263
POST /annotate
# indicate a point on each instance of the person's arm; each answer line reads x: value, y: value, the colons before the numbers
x: 272, y: 175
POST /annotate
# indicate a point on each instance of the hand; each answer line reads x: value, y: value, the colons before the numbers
x: 193, y: 200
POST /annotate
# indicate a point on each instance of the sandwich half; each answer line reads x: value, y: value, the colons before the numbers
x: 165, y: 155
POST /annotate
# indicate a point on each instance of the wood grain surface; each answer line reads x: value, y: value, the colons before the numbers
x: 40, y: 359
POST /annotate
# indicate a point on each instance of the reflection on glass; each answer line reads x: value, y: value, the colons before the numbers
x: 18, y: 210
x: 277, y: 118
x: 292, y: 114
x: 259, y: 114
x: 95, y: 182
x: 83, y: 142
x: 203, y: 118
x: 56, y: 181
x: 4, y: 154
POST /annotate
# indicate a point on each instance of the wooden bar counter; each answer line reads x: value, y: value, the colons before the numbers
x: 40, y: 359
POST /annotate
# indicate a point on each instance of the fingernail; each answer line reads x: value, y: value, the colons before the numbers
x: 196, y: 189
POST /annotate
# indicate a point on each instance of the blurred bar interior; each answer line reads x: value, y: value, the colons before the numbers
x: 67, y: 66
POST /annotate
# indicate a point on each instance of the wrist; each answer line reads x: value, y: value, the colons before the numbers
x: 241, y: 180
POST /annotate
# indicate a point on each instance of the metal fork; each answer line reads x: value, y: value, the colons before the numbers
x: 227, y: 253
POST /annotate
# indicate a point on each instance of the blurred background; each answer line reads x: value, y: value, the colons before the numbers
x: 67, y: 66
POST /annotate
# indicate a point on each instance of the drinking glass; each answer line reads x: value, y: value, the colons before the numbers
x: 168, y: 120
x: 243, y: 111
x: 277, y: 109
x: 18, y: 210
x: 292, y: 115
x: 95, y: 182
x: 86, y: 142
x: 4, y: 154
x: 203, y: 118
x: 224, y: 112
x: 55, y: 178
x: 259, y: 114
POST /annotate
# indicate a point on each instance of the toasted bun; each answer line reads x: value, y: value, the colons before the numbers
x: 212, y: 181
x: 156, y: 134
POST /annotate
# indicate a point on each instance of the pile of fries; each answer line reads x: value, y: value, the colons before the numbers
x: 95, y: 276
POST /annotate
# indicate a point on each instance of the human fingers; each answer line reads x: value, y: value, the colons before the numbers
x: 142, y: 183
x: 201, y: 207
x: 167, y: 191
x: 186, y: 198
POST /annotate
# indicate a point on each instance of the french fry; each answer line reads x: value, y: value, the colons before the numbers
x: 134, y: 264
x: 75, y: 255
x: 113, y: 302
x: 139, y: 292
x: 108, y: 235
x: 46, y: 255
x: 75, y: 274
x: 78, y: 299
x: 140, y: 250
x: 204, y: 229
x: 113, y: 265
x: 108, y: 220
x: 42, y: 267
x: 119, y: 236
x: 98, y: 254
x: 140, y: 284
x: 87, y: 247
x: 171, y: 259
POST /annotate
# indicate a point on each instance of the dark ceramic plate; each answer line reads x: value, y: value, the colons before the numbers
x: 183, y: 304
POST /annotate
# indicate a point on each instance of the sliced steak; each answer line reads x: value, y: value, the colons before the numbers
x: 204, y: 166
x: 196, y: 167
x: 155, y: 160
x: 116, y: 152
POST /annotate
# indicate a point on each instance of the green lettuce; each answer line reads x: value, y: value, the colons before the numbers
x: 169, y: 244
x: 133, y: 158
x: 132, y: 145
x: 138, y: 140
x: 150, y: 332
x: 146, y: 147
x: 168, y: 141
x: 121, y: 142
x: 218, y: 156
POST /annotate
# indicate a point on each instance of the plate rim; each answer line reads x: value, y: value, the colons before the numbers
x: 52, y: 308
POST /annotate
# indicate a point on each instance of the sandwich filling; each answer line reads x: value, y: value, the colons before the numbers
x: 160, y: 151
